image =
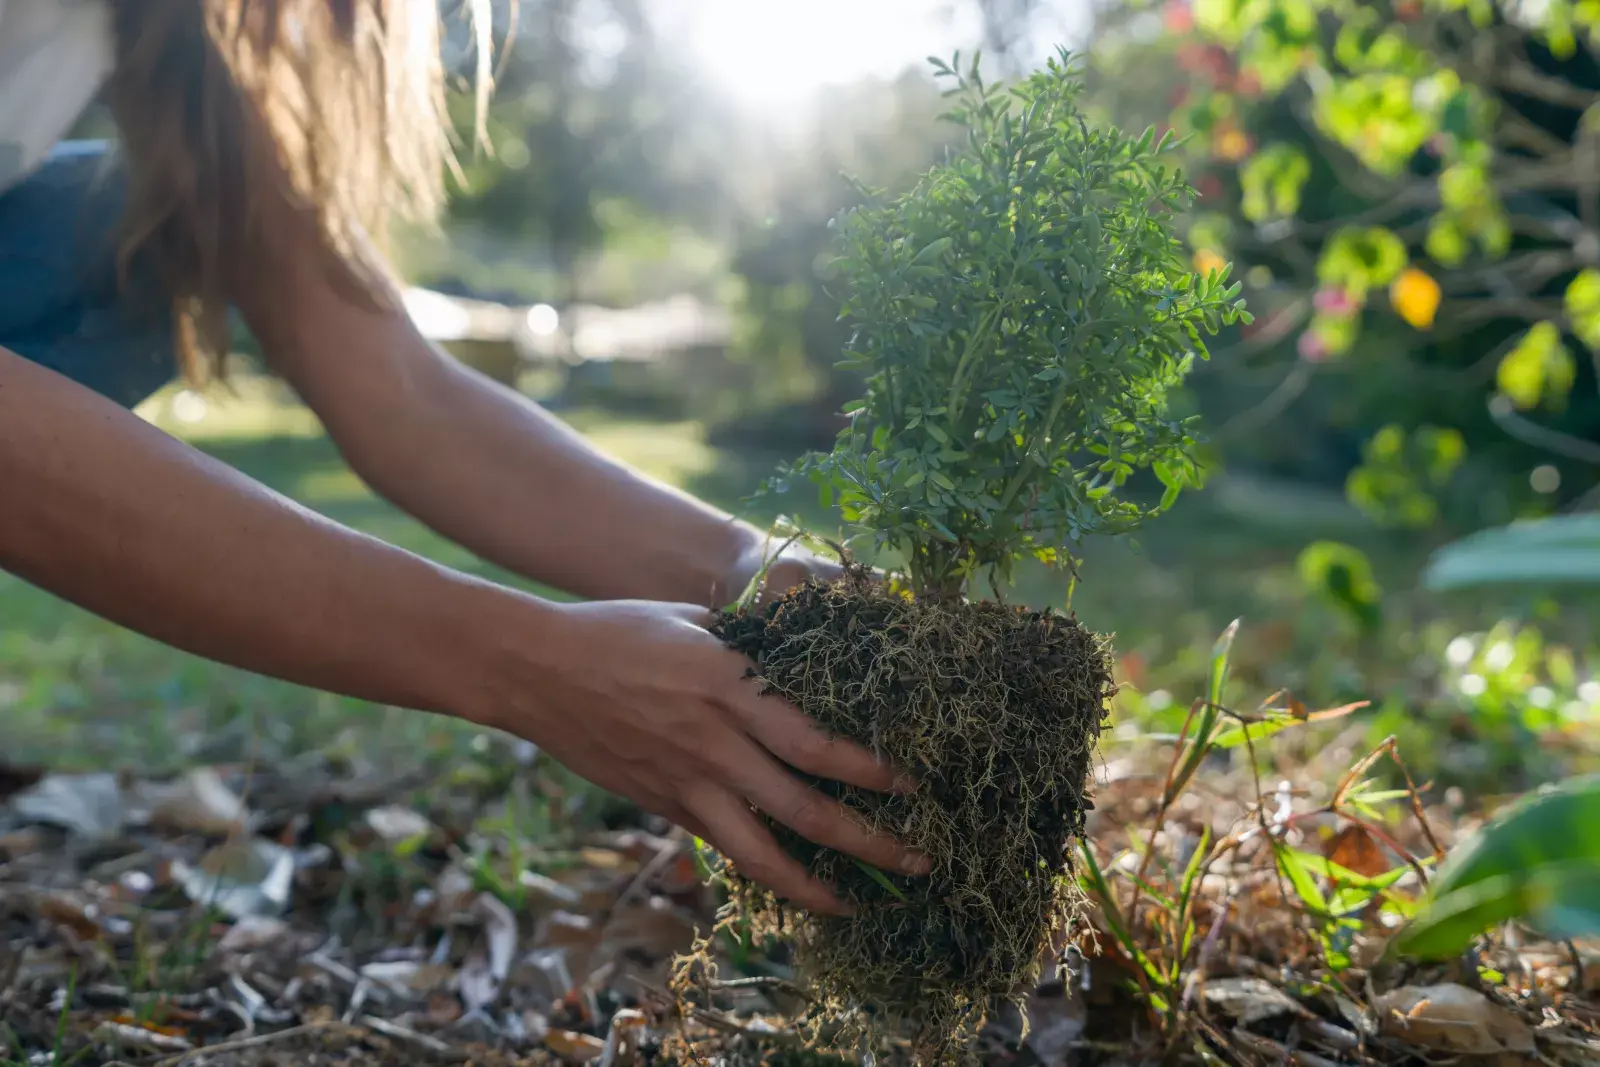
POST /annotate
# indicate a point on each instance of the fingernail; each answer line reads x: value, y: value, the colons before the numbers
x: 904, y: 783
x: 916, y: 863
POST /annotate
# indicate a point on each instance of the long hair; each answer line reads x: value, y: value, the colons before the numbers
x: 347, y: 94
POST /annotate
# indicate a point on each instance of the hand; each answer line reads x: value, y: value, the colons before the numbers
x: 640, y: 699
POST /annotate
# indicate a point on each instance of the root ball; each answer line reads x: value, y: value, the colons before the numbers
x: 997, y: 711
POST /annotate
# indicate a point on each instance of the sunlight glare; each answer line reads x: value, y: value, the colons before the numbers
x: 781, y: 52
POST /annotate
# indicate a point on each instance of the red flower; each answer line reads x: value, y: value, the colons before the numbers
x: 1178, y: 16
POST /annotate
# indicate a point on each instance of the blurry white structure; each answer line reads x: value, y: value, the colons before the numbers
x: 585, y: 333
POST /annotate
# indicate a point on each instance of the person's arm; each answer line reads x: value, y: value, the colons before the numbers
x: 105, y: 510
x: 486, y: 467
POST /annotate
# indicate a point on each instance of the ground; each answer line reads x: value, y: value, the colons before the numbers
x: 229, y: 870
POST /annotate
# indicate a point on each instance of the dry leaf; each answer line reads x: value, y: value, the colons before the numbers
x: 653, y: 930
x: 1055, y: 1026
x: 1355, y: 849
x: 574, y: 1047
x: 1452, y: 1018
x: 19, y: 843
x: 1249, y: 1000
x: 88, y: 805
x: 484, y: 973
x: 549, y: 890
x: 124, y: 1036
x: 396, y: 824
x: 253, y: 933
x: 199, y: 802
x: 252, y: 876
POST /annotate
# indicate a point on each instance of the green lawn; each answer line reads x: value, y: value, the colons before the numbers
x: 76, y: 691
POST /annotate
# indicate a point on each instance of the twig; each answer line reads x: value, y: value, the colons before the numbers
x: 248, y: 1042
x: 1530, y: 432
x: 403, y: 1033
x: 658, y: 863
x: 761, y: 981
x: 1274, y: 404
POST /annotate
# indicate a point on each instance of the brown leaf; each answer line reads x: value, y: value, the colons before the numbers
x: 1355, y: 849
x: 574, y: 1047
x: 198, y: 802
x: 1250, y: 1000
x: 1452, y: 1018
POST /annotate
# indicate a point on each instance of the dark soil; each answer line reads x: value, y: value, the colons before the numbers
x: 996, y: 710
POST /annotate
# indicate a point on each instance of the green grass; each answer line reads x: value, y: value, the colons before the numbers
x: 76, y: 691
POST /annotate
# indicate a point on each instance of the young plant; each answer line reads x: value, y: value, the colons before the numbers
x: 1022, y: 315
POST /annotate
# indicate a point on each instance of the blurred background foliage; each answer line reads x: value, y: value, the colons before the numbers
x: 1409, y: 189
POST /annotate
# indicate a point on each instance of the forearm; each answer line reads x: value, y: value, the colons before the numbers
x: 110, y: 513
x: 502, y: 477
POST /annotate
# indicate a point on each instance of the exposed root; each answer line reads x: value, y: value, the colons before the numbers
x: 997, y: 711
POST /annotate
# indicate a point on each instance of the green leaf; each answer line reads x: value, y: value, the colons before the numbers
x: 1538, y: 368
x: 932, y: 251
x: 1201, y: 742
x: 1561, y: 550
x: 1292, y: 862
x: 1582, y: 303
x: 881, y: 878
x: 1539, y: 862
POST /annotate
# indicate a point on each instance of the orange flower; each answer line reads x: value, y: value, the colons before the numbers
x: 1233, y: 145
x: 1206, y: 261
x: 1415, y: 297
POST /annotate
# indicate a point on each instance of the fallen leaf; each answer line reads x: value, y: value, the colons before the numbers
x: 1055, y: 1026
x: 1452, y: 1018
x: 656, y: 929
x: 253, y: 933
x: 549, y: 890
x: 199, y: 802
x: 574, y: 1047
x: 24, y: 842
x: 608, y: 859
x: 249, y: 876
x: 397, y: 825
x: 124, y: 1036
x: 628, y: 1026
x: 88, y: 805
x: 484, y: 973
x: 1249, y: 1000
x: 409, y: 977
x: 68, y: 911
x: 1355, y: 849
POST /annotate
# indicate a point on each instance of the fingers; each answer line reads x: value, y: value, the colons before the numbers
x: 738, y: 834
x: 817, y: 817
x: 692, y: 614
x: 794, y: 738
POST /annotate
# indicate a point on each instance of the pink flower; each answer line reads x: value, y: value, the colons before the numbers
x: 1332, y: 301
x: 1311, y: 346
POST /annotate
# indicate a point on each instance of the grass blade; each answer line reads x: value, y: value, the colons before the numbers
x: 882, y: 879
x: 1200, y: 744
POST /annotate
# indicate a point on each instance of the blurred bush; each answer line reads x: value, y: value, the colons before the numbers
x: 1409, y: 189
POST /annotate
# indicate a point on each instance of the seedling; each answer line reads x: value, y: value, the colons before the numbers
x: 1022, y: 316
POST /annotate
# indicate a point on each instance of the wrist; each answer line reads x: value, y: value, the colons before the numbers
x: 490, y: 651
